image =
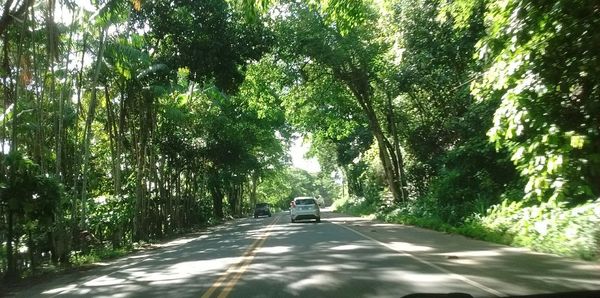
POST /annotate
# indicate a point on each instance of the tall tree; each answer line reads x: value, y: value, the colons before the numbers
x: 540, y: 61
x: 352, y: 54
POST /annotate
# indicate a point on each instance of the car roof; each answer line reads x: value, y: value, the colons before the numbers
x: 302, y: 198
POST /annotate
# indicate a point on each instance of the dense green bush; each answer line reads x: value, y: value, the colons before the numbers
x: 97, y: 254
x: 354, y: 205
x: 547, y: 227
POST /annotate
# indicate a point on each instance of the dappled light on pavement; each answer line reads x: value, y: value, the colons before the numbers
x: 342, y: 256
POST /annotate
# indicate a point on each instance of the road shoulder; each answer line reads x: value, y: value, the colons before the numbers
x: 519, y: 270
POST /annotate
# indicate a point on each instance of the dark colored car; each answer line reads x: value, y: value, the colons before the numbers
x: 262, y: 209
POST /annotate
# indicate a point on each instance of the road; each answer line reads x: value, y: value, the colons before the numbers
x: 342, y: 256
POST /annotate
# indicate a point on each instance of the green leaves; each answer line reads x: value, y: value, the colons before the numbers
x: 207, y: 37
x: 577, y: 141
x: 345, y: 15
x: 281, y: 187
x: 27, y: 193
x: 549, y: 227
x: 127, y: 58
x: 539, y: 69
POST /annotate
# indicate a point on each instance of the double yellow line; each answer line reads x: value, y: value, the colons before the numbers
x: 228, y: 281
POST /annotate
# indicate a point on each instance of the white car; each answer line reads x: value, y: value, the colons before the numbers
x: 305, y: 208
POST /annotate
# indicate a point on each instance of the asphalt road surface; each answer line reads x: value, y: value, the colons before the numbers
x: 342, y: 256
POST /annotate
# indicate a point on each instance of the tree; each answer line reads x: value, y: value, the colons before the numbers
x: 281, y: 187
x: 539, y: 61
x: 125, y: 134
x: 352, y: 55
x: 217, y: 37
x: 18, y: 12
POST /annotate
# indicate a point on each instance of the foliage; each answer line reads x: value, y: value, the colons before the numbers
x: 545, y: 228
x: 97, y: 255
x: 540, y: 61
x: 116, y: 125
x: 280, y: 188
x: 351, y: 62
x: 207, y: 37
x: 354, y: 205
x: 552, y: 228
x: 510, y: 72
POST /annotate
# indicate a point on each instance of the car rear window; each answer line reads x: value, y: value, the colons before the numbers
x: 305, y: 202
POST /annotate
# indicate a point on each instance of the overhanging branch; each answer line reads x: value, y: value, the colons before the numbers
x: 8, y: 16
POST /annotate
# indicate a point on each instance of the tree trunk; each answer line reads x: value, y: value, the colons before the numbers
x: 40, y: 92
x: 11, y: 242
x: 11, y: 270
x: 231, y: 198
x: 141, y: 205
x: 120, y: 132
x: 162, y: 194
x: 7, y: 95
x: 110, y: 119
x: 31, y: 251
x: 240, y: 201
x: 386, y: 157
x: 395, y: 147
x: 138, y: 226
x: 139, y: 214
x: 388, y: 167
x: 178, y: 199
x: 59, y: 135
x: 254, y: 178
x: 217, y: 197
x: 88, y: 125
x: 76, y: 175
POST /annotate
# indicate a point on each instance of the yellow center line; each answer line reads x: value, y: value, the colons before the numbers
x: 237, y: 270
x: 232, y: 282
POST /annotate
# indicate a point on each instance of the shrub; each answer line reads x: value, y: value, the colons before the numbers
x: 96, y: 255
x: 355, y: 205
x: 548, y: 227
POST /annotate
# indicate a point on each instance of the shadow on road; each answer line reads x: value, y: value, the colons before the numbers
x: 308, y: 259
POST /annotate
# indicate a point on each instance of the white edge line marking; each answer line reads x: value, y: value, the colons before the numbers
x: 455, y: 275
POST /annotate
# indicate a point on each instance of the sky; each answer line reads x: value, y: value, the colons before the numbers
x: 297, y: 151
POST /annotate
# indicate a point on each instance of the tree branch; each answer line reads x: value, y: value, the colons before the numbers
x: 9, y: 16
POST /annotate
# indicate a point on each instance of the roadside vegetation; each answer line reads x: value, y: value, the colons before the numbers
x: 497, y: 129
x: 561, y: 230
x: 127, y: 122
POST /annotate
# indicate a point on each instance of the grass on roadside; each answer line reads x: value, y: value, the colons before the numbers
x: 98, y: 255
x: 547, y: 227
